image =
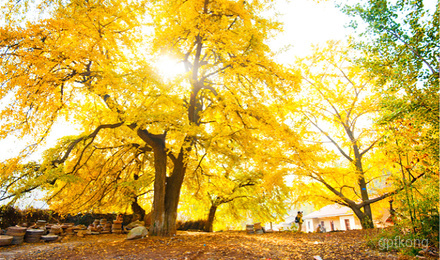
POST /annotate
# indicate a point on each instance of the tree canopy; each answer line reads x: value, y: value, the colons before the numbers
x: 91, y: 62
x: 224, y: 134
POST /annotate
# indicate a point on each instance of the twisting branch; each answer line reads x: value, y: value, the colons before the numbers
x: 74, y: 143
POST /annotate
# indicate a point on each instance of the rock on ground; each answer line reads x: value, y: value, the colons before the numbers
x: 137, y: 232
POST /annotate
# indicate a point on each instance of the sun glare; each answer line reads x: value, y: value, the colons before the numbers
x: 170, y: 68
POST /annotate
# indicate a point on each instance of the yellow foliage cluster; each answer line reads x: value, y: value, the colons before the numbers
x: 91, y: 63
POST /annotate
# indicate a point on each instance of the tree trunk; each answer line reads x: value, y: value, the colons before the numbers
x: 167, y: 193
x: 172, y: 196
x: 366, y: 221
x: 137, y: 209
x: 211, y: 217
x: 366, y: 217
x: 158, y: 225
x: 147, y: 219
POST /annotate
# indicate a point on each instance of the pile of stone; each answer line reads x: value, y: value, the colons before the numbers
x: 43, y: 232
x: 258, y: 229
x: 55, y: 229
x: 254, y: 228
x: 68, y: 228
x: 95, y: 228
x: 35, y: 232
x: 117, y: 226
x: 106, y: 226
x: 17, y: 234
x: 250, y: 229
x: 34, y: 235
x: 5, y: 240
x: 41, y: 224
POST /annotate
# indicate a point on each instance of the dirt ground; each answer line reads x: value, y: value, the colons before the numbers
x: 198, y: 245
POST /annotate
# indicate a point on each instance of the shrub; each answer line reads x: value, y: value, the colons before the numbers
x: 200, y: 225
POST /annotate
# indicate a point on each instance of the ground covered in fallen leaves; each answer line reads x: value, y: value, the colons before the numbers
x: 198, y: 245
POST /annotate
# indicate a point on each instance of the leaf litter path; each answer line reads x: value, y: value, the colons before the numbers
x: 197, y: 245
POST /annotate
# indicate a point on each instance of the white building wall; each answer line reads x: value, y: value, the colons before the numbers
x: 328, y: 225
x: 338, y: 223
x: 351, y: 221
x: 310, y: 225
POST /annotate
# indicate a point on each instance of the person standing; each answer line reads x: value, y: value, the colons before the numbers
x: 299, y: 220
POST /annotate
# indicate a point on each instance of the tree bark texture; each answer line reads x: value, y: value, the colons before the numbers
x: 172, y: 196
x: 158, y: 225
x: 211, y: 217
x: 166, y: 192
x: 137, y: 209
x: 365, y: 217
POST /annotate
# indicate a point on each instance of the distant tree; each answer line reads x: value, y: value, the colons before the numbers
x: 247, y: 182
x: 339, y: 108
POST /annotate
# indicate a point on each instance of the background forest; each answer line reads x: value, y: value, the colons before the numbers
x: 235, y: 135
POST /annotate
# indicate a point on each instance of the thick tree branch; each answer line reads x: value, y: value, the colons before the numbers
x: 386, y: 195
x: 75, y: 142
x: 337, y: 193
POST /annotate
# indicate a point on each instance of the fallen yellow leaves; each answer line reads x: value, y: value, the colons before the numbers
x: 221, y: 245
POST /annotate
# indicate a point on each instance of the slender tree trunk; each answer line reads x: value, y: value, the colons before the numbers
x: 409, y: 200
x: 135, y: 207
x: 366, y: 217
x: 211, y: 218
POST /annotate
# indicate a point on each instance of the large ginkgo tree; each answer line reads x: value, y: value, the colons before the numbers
x: 91, y: 63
